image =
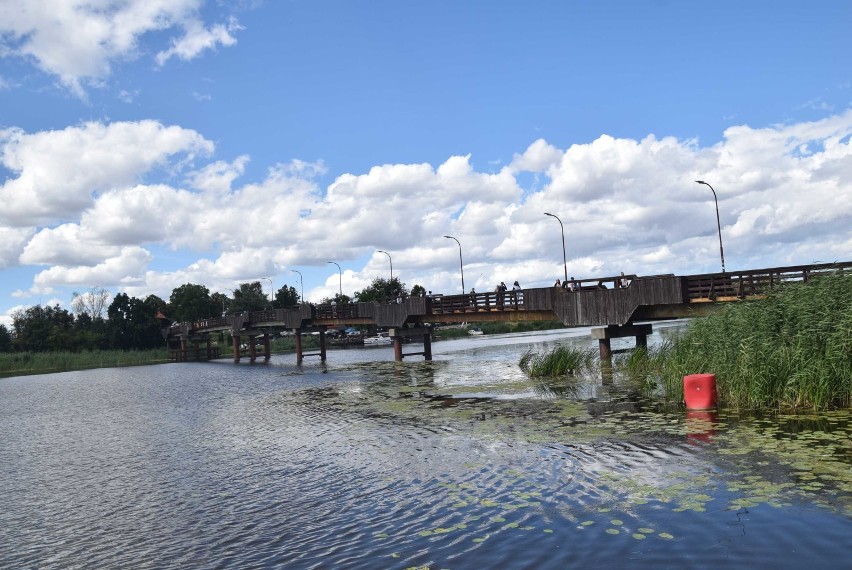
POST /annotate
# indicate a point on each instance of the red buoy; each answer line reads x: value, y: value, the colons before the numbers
x: 699, y: 391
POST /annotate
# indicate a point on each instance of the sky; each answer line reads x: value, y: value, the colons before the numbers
x: 145, y: 144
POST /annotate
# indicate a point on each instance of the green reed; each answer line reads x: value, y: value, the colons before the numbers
x: 21, y: 363
x: 560, y: 361
x: 791, y: 350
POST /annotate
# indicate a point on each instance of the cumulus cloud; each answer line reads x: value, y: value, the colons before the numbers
x: 198, y: 39
x: 626, y: 205
x: 60, y: 173
x: 79, y: 40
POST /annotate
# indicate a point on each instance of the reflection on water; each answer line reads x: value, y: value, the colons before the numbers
x: 457, y: 463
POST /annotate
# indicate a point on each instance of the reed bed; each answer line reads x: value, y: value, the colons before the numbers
x: 791, y: 350
x: 561, y: 361
x: 22, y: 363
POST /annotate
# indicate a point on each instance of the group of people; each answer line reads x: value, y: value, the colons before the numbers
x: 500, y: 292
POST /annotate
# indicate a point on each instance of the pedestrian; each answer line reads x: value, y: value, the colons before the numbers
x: 516, y: 293
x: 473, y: 298
x: 558, y: 284
x: 623, y: 281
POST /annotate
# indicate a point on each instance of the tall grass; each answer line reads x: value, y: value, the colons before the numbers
x: 560, y: 361
x: 21, y: 363
x: 791, y: 350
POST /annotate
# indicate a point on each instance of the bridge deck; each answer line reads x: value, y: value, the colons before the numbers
x: 599, y: 301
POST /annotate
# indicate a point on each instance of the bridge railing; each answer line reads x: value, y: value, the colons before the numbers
x: 478, y: 302
x: 741, y: 284
x: 341, y: 311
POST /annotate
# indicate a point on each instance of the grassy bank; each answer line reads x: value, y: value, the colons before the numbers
x: 791, y: 350
x: 21, y: 363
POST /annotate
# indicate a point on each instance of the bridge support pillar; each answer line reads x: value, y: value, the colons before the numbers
x: 397, y: 334
x: 267, y: 350
x: 298, y: 338
x: 604, y: 334
x: 322, y: 345
x: 235, y: 340
x: 252, y: 348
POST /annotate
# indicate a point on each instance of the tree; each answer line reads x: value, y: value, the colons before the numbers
x: 5, y: 339
x: 382, y: 291
x: 190, y: 302
x: 93, y: 302
x: 285, y: 297
x: 418, y: 291
x: 338, y: 299
x: 133, y: 323
x: 249, y: 297
x: 40, y: 329
x: 220, y: 301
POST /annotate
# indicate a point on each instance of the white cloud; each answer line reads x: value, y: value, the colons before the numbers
x: 198, y: 39
x: 626, y: 205
x: 79, y: 40
x: 61, y: 172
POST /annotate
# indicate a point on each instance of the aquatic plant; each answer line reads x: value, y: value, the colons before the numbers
x: 790, y: 350
x: 21, y: 363
x: 560, y: 361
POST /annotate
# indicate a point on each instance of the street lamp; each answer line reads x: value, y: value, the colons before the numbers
x: 389, y: 259
x: 302, y: 283
x: 564, y: 259
x: 271, y: 289
x: 461, y: 263
x: 718, y: 223
x: 340, y: 277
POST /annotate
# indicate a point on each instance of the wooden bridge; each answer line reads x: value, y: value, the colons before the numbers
x: 613, y: 303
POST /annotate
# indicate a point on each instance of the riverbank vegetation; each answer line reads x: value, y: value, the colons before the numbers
x: 23, y: 363
x: 792, y: 350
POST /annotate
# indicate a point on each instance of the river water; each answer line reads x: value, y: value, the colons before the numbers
x: 461, y: 462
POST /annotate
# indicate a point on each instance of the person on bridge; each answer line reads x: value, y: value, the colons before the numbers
x: 473, y: 298
x: 623, y: 281
x: 558, y: 284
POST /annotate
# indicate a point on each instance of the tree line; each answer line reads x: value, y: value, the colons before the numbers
x: 130, y: 323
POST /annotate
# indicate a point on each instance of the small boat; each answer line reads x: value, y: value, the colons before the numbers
x: 380, y: 338
x: 475, y: 331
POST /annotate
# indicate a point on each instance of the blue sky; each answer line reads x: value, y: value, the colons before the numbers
x: 147, y: 144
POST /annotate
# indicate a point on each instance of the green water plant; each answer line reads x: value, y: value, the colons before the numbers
x: 790, y: 350
x: 561, y: 361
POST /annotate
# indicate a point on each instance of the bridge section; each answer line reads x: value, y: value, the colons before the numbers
x: 614, y: 302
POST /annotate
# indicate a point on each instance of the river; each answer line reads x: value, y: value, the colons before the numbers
x: 461, y: 462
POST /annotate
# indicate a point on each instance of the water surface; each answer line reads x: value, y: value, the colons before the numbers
x: 365, y: 463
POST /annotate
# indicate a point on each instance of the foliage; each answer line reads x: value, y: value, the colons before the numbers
x: 338, y: 299
x: 40, y: 329
x: 561, y: 361
x: 418, y: 291
x: 286, y: 297
x: 133, y: 323
x: 791, y: 350
x: 60, y: 361
x: 382, y: 291
x: 5, y: 339
x: 190, y: 302
x: 220, y: 301
x: 249, y: 297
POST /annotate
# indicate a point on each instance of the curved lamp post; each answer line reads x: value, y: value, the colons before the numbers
x: 272, y: 289
x: 302, y: 283
x: 389, y: 259
x: 461, y: 263
x: 564, y: 259
x: 718, y: 224
x: 340, y: 276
